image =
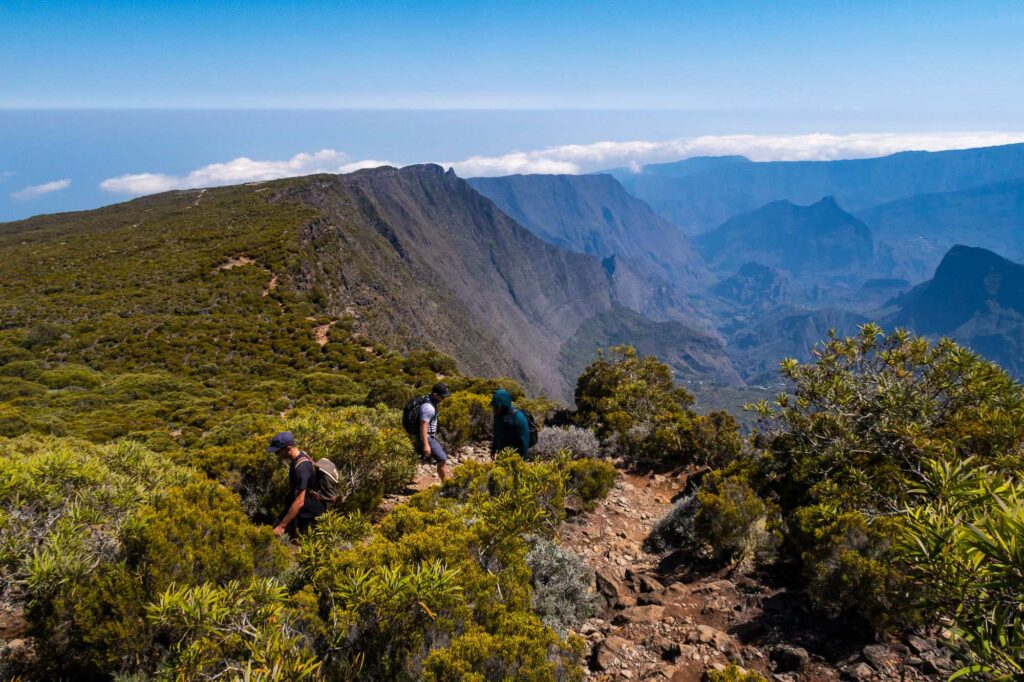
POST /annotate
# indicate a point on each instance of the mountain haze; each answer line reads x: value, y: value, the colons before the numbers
x: 922, y: 228
x: 820, y: 240
x: 698, y: 196
x: 594, y: 214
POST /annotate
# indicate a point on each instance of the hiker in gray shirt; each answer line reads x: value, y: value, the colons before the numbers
x: 427, y: 442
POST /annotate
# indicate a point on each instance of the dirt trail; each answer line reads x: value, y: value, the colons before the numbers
x: 661, y: 622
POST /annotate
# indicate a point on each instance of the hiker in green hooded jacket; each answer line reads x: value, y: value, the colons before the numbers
x: 511, y: 428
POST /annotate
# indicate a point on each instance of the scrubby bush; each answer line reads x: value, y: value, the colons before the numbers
x: 732, y: 520
x: 573, y: 440
x: 637, y: 409
x: 71, y: 376
x: 251, y: 630
x: 851, y: 565
x: 465, y: 418
x: 368, y: 445
x: 734, y: 673
x: 963, y: 546
x: 843, y: 455
x: 561, y: 582
x: 588, y: 480
x: 197, y: 534
x: 675, y: 529
x: 418, y: 595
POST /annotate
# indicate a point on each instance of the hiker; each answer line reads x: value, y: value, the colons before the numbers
x: 427, y: 444
x: 304, y: 506
x: 511, y: 425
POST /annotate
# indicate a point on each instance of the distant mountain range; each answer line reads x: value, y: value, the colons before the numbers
x: 813, y: 242
x: 700, y: 194
x: 414, y: 257
x: 922, y: 228
x: 527, y: 276
x: 594, y: 214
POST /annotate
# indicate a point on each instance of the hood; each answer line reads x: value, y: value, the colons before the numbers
x: 501, y: 400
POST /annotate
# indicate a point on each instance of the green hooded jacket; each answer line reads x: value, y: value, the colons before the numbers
x: 511, y: 430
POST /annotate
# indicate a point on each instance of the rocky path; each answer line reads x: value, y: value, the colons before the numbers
x: 660, y: 624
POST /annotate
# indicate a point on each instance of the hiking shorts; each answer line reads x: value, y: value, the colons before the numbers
x: 440, y: 456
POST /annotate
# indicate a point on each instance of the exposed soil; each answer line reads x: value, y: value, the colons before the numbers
x: 666, y: 617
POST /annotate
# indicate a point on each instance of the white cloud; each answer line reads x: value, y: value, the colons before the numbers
x: 578, y: 158
x: 239, y: 170
x: 36, y: 191
x: 583, y: 158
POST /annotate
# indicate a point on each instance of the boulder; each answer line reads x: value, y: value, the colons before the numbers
x: 608, y: 585
x: 649, y: 584
x: 639, y: 614
x: 789, y: 658
x: 705, y: 634
x: 608, y: 652
x: 882, y: 658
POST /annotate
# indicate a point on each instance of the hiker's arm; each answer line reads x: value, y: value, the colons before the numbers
x: 424, y: 437
x: 292, y: 512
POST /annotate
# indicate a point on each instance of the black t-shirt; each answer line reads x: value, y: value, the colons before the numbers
x: 302, y: 476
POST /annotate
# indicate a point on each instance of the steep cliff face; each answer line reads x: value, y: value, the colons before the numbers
x: 410, y: 258
x: 429, y: 259
x: 594, y: 214
x: 806, y: 241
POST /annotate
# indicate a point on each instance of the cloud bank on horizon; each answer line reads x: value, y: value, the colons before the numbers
x: 36, y: 191
x: 573, y: 158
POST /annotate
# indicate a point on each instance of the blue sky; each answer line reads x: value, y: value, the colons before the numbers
x: 103, y: 101
x: 524, y: 54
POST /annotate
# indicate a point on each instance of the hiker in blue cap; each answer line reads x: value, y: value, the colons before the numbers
x: 303, y: 506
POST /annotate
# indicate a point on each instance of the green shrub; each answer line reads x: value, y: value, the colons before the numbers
x: 589, y: 480
x: 443, y: 575
x: 851, y: 566
x: 734, y: 673
x: 61, y: 558
x: 250, y: 630
x: 731, y: 519
x: 962, y: 542
x: 71, y: 376
x: 465, y: 418
x: 390, y: 393
x: 197, y: 534
x: 636, y: 408
x: 30, y: 370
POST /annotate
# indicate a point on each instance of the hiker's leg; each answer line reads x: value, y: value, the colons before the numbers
x: 441, y: 457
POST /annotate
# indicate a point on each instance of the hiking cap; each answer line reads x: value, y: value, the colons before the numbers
x: 441, y: 389
x: 282, y: 440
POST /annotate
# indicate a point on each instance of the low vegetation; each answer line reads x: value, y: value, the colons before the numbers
x: 637, y: 409
x: 891, y: 475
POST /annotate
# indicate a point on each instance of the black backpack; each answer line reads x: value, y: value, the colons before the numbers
x: 411, y: 414
x: 533, y: 426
